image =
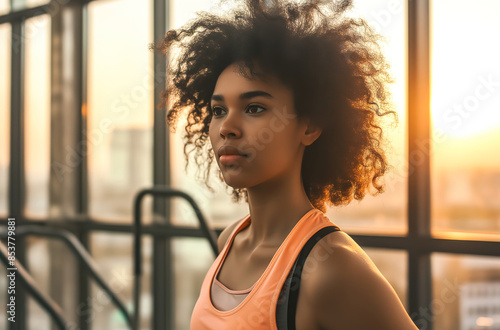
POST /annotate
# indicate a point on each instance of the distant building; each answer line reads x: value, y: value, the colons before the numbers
x: 480, y: 306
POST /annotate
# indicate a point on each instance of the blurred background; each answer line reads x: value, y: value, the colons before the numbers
x: 80, y: 136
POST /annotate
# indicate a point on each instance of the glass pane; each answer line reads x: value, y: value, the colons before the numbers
x: 37, y: 117
x: 4, y: 7
x: 385, y: 213
x: 113, y: 254
x: 120, y: 107
x: 393, y: 264
x: 38, y: 318
x: 466, y: 121
x: 466, y: 292
x: 5, y: 40
x: 192, y: 259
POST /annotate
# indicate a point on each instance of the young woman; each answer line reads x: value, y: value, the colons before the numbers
x: 290, y: 96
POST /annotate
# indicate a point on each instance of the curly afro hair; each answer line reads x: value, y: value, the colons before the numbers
x: 333, y: 64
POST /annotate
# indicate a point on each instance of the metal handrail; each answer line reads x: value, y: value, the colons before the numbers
x: 79, y: 250
x: 164, y: 191
x: 44, y: 301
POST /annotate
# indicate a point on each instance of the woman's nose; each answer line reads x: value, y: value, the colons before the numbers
x: 230, y: 125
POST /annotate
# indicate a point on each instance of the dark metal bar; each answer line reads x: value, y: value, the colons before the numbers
x: 162, y: 284
x: 17, y: 179
x: 419, y: 144
x: 469, y: 247
x: 17, y: 175
x: 80, y: 252
x: 167, y: 192
x: 427, y: 245
x: 45, y: 302
x: 83, y: 280
x: 166, y: 231
x: 152, y: 229
x: 419, y: 141
x: 162, y: 291
x: 424, y: 245
x: 161, y: 141
x: 82, y: 186
x: 81, y: 44
x: 160, y: 191
x: 420, y: 264
x: 67, y: 189
x: 24, y: 14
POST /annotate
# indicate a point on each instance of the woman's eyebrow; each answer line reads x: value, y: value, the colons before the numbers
x: 243, y: 96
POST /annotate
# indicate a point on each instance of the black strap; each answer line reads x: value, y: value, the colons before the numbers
x: 290, y: 290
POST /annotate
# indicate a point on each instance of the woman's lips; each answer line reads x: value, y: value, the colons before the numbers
x: 230, y: 159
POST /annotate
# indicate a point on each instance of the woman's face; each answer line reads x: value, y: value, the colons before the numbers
x: 258, y: 118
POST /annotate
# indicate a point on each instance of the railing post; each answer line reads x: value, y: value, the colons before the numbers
x: 419, y: 224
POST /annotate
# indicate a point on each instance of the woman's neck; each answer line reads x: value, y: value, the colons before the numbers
x: 275, y: 208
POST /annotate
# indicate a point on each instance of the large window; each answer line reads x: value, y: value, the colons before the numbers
x: 83, y: 96
x: 466, y: 119
x: 119, y: 112
x: 120, y: 99
x: 465, y: 168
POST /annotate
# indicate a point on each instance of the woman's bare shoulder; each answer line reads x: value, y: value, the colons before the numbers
x: 345, y: 290
x: 340, y: 250
x: 224, y: 235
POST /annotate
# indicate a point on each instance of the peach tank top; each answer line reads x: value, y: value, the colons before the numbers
x: 218, y: 307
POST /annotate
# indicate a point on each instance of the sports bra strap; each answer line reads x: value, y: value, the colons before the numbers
x: 285, y: 312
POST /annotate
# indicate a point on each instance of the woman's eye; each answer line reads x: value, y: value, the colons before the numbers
x: 256, y: 107
x: 250, y: 109
x: 214, y: 110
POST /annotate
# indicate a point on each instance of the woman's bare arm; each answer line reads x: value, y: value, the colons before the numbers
x: 345, y: 290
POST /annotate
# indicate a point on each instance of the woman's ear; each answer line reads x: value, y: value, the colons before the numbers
x: 312, y: 133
